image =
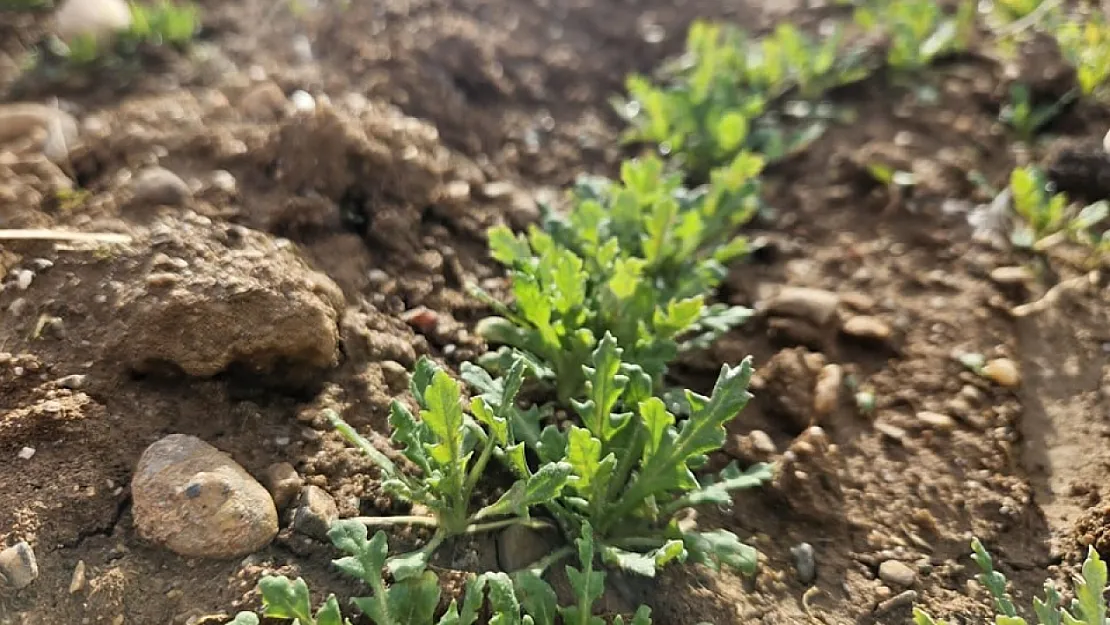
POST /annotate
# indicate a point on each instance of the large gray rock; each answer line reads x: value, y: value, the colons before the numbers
x: 194, y: 500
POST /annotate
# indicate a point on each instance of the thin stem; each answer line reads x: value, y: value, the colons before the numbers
x: 476, y: 471
x: 536, y: 524
x: 539, y: 566
x: 384, y: 521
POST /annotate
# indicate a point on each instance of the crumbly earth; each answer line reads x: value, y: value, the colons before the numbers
x: 442, y: 118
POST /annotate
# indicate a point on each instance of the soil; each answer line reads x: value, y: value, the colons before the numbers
x: 355, y: 231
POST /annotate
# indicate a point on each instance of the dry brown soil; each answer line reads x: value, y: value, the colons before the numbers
x: 426, y: 95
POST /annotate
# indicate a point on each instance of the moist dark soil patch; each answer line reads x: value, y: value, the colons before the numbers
x: 387, y: 191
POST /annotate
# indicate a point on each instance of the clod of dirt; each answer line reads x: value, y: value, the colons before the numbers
x: 99, y: 19
x: 867, y: 328
x: 18, y: 567
x: 194, y: 500
x: 897, y: 574
x: 816, y: 306
x: 159, y: 186
x: 27, y: 129
x: 315, y: 512
x: 246, y: 300
x: 826, y: 391
x: 265, y: 102
x: 519, y: 546
x: 789, y: 382
x: 1012, y: 276
x: 936, y: 421
x: 371, y: 336
x: 1081, y: 170
x: 283, y: 482
x: 807, y: 478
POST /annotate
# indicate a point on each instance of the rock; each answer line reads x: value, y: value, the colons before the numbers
x: 99, y: 19
x: 57, y: 129
x: 161, y: 187
x: 18, y: 567
x: 815, y: 305
x: 867, y: 327
x: 26, y: 453
x: 283, y: 482
x: 73, y: 382
x: 805, y: 563
x: 250, y: 302
x: 936, y: 420
x: 303, y: 101
x: 1002, y: 371
x: 890, y: 431
x: 1011, y: 276
x: 395, y: 375
x: 423, y: 320
x: 519, y: 546
x: 194, y: 500
x: 761, y: 442
x: 77, y: 582
x: 265, y: 102
x: 789, y: 387
x: 315, y: 512
x: 898, y: 574
x: 826, y: 392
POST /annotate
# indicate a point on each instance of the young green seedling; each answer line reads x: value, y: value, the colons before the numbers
x: 451, y: 450
x: 1088, y: 607
x: 1086, y: 45
x: 634, y: 467
x: 918, y: 31
x: 635, y: 259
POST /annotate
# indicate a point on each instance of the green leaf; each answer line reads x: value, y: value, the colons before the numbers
x: 588, y: 586
x: 645, y: 564
x: 921, y: 617
x: 719, y: 491
x: 409, y: 435
x: 721, y: 547
x: 365, y: 558
x: 537, y: 597
x: 542, y: 487
x: 680, y: 315
x: 604, y: 387
x: 994, y: 581
x: 283, y: 598
x: 502, y: 599
x: 329, y: 613
x: 421, y: 378
x: 444, y: 419
x: 414, y: 600
x: 1048, y: 610
x: 1090, y: 589
x: 507, y: 248
x: 732, y: 130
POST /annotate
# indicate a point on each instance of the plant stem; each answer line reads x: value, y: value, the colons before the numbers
x: 382, y: 521
x: 476, y: 472
x: 536, y: 524
x: 539, y: 566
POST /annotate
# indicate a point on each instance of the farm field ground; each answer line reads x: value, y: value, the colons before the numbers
x: 316, y: 256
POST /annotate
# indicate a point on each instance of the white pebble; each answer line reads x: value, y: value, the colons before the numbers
x: 26, y: 453
x: 23, y: 279
x: 303, y: 101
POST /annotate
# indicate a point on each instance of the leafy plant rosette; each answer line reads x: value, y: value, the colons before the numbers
x: 633, y: 465
x: 1046, y: 218
x: 635, y: 259
x: 1087, y: 608
x: 449, y: 452
x: 523, y: 599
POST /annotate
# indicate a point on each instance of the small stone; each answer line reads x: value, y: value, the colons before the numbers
x: 422, y: 319
x: 99, y: 19
x: 25, y: 119
x: 315, y: 512
x: 936, y: 420
x: 283, y: 482
x: 815, y: 305
x: 160, y: 186
x: 761, y: 442
x: 224, y: 181
x: 896, y: 573
x: 395, y: 375
x: 1002, y: 371
x: 26, y: 453
x: 805, y: 562
x: 194, y: 500
x: 77, y: 582
x: 1010, y: 276
x: 265, y: 102
x: 303, y: 101
x: 867, y: 327
x: 892, y: 432
x: 826, y: 393
x: 519, y: 547
x: 73, y: 382
x: 23, y: 279
x: 18, y: 567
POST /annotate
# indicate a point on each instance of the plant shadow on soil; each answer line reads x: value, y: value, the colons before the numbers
x: 518, y: 92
